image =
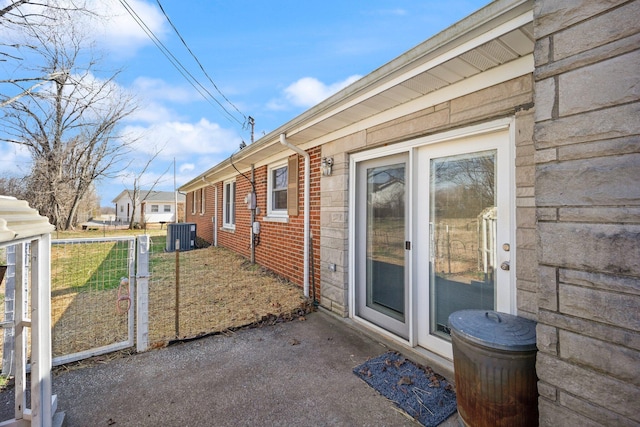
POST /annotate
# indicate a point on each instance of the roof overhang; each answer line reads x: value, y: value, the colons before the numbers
x: 497, y: 36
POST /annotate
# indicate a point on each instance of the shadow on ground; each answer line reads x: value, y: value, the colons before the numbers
x: 294, y: 373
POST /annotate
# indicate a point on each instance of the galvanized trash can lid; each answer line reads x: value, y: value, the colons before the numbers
x: 494, y: 329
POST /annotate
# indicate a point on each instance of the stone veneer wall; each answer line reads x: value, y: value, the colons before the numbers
x: 513, y: 98
x: 587, y: 192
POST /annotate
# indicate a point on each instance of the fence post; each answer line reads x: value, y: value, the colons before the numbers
x: 8, y: 345
x: 142, y: 287
x: 177, y: 308
x: 131, y: 276
x: 40, y: 287
x: 20, y: 317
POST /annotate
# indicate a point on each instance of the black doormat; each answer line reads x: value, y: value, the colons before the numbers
x: 420, y: 392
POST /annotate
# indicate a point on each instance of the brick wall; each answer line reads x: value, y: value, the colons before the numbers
x: 281, y: 245
x: 587, y: 192
x: 203, y: 221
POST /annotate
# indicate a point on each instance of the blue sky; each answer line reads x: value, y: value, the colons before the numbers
x: 272, y: 60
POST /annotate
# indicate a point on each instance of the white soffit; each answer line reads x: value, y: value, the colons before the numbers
x: 509, y: 46
x: 18, y: 221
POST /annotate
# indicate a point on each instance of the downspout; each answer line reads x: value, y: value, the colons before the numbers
x: 307, y: 178
x: 215, y: 216
x: 214, y: 219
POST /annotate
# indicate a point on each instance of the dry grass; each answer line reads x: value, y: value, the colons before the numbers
x: 86, y: 320
x: 219, y: 290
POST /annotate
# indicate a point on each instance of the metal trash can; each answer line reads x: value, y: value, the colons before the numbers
x: 494, y: 360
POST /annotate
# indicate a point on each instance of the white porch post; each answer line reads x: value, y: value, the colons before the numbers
x: 21, y: 320
x: 41, y: 414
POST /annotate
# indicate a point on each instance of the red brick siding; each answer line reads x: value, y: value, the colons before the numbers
x: 203, y: 221
x: 281, y: 246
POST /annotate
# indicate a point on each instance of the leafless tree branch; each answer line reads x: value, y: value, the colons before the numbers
x: 71, y: 123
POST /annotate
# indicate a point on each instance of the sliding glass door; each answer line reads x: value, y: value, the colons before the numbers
x: 381, y: 238
x: 464, y: 255
x: 432, y: 235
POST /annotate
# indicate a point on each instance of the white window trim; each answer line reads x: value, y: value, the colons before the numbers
x: 157, y: 208
x: 225, y: 221
x: 193, y: 202
x: 280, y: 213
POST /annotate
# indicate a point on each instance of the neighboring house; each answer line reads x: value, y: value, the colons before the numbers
x: 151, y: 207
x: 508, y: 145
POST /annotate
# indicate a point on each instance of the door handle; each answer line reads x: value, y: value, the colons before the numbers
x: 505, y: 266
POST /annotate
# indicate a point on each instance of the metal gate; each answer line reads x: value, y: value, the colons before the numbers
x: 93, y: 306
x: 92, y: 297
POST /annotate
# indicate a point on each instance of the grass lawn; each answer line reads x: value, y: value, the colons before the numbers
x: 218, y: 290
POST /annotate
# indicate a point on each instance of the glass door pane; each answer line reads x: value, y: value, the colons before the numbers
x: 381, y: 232
x: 462, y: 229
x: 385, y: 217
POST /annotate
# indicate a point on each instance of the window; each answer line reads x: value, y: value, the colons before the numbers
x: 202, y: 206
x: 154, y: 208
x: 193, y: 202
x: 277, y: 182
x: 167, y: 208
x: 229, y: 203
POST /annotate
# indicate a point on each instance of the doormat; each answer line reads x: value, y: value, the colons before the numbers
x: 423, y: 394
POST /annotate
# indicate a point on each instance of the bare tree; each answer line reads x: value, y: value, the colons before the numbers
x: 19, y: 15
x: 13, y: 186
x: 136, y: 194
x: 70, y: 125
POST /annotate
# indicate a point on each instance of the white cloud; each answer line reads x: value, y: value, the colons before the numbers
x: 186, y: 167
x: 277, y: 105
x: 309, y: 91
x: 389, y: 12
x: 158, y: 89
x: 153, y: 96
x: 152, y: 112
x: 120, y: 33
x: 109, y: 25
x: 16, y: 159
x: 182, y: 139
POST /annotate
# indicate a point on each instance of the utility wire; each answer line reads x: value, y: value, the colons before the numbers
x: 196, y: 59
x: 176, y: 63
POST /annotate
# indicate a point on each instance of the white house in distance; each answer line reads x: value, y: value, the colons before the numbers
x: 150, y: 206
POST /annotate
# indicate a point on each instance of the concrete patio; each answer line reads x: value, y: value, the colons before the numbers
x: 296, y: 373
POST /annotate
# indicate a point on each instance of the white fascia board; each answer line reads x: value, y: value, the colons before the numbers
x: 485, y: 37
x: 492, y: 77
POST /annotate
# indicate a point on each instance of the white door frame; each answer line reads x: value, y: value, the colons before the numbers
x: 399, y: 327
x: 498, y: 141
x: 507, y: 302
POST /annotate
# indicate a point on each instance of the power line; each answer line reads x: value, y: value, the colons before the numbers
x: 176, y: 63
x: 196, y: 59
